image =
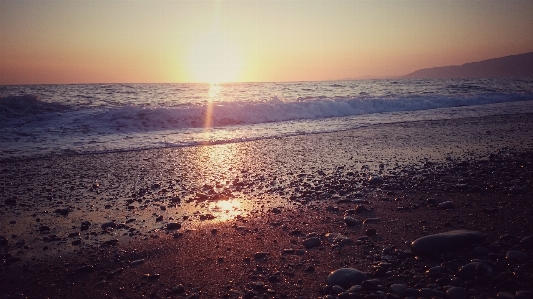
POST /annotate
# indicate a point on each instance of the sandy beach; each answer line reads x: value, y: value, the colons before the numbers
x: 272, y: 218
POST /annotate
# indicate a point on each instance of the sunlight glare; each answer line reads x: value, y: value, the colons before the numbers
x: 214, y: 58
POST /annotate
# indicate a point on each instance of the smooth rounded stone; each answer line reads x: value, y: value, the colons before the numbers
x: 474, y: 269
x: 62, y: 211
x: 481, y: 251
x: 3, y: 241
x: 398, y: 289
x: 312, y: 242
x: 173, y: 225
x: 431, y: 293
x: 260, y: 255
x: 456, y: 293
x: 336, y: 238
x: 355, y: 289
x: 137, y: 262
x: 527, y: 242
x: 371, y: 232
x: 451, y: 240
x: 524, y: 294
x: 346, y: 277
x: 504, y: 295
x: 370, y: 285
x: 351, y: 221
x: 515, y: 255
x: 110, y: 224
x: 446, y: 205
x: 438, y: 271
x: 337, y: 289
x: 375, y: 180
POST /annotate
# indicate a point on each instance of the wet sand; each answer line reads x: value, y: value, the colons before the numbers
x: 73, y: 225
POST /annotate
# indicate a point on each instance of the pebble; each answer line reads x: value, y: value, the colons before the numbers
x: 351, y: 221
x: 336, y: 238
x: 527, y: 242
x: 173, y: 225
x: 398, y: 289
x: 137, y: 262
x: 371, y: 232
x: 260, y: 255
x: 375, y: 180
x: 446, y: 205
x: 504, y: 295
x: 451, y: 240
x: 110, y: 224
x: 456, y: 293
x: 473, y: 270
x: 515, y: 255
x: 431, y: 293
x: 311, y: 242
x: 346, y: 277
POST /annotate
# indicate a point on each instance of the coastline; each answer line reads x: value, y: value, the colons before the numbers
x: 280, y: 191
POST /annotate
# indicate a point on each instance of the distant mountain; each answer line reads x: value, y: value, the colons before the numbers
x: 514, y: 66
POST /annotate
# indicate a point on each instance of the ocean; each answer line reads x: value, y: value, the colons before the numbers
x: 37, y: 120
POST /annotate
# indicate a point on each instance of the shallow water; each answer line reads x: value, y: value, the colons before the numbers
x: 97, y: 118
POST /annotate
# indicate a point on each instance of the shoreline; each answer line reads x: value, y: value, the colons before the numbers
x: 282, y: 191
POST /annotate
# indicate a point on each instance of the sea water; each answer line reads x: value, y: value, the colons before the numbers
x: 40, y: 120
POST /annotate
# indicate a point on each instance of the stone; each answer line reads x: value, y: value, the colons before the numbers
x: 398, y: 289
x: 110, y: 224
x: 311, y: 242
x: 260, y: 255
x: 346, y: 277
x: 63, y: 211
x: 370, y: 285
x: 446, y: 205
x: 431, y: 293
x: 336, y: 238
x: 527, y: 242
x: 473, y: 270
x: 371, y: 232
x: 456, y: 293
x: 173, y: 225
x: 137, y: 262
x: 447, y: 241
x: 375, y: 180
x: 504, y: 295
x: 351, y: 221
x: 515, y: 255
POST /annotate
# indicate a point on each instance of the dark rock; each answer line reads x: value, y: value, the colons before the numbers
x: 311, y: 242
x: 346, y: 277
x: 515, y: 255
x: 371, y: 232
x: 451, y: 240
x: 446, y: 205
x: 370, y: 285
x: 3, y: 241
x: 84, y: 269
x: 431, y: 293
x: 63, y: 211
x: 109, y: 224
x: 173, y: 225
x: 260, y: 255
x: 504, y: 295
x: 398, y: 289
x: 44, y: 228
x: 350, y: 221
x: 527, y: 242
x: 456, y: 293
x: 473, y: 270
x: 375, y: 180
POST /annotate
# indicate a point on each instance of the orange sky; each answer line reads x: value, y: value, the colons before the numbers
x: 81, y: 41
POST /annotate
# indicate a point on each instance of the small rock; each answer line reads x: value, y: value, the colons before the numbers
x: 504, y: 295
x: 456, y: 293
x: 260, y: 255
x: 473, y: 270
x: 527, y: 242
x: 431, y: 293
x: 84, y: 269
x: 350, y: 221
x: 44, y: 228
x: 375, y: 180
x: 173, y: 226
x: 446, y: 205
x: 346, y: 277
x: 398, y: 289
x: 371, y: 232
x: 137, y: 262
x: 110, y: 224
x: 63, y: 211
x: 370, y: 285
x: 515, y: 255
x: 311, y: 242
x: 451, y: 240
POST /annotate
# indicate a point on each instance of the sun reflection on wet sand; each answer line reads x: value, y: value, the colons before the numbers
x: 225, y: 210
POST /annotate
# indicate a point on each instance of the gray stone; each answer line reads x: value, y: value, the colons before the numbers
x: 398, y: 289
x: 375, y: 180
x: 346, y: 277
x: 504, y: 295
x: 442, y: 242
x: 473, y: 270
x: 515, y: 255
x: 351, y: 221
x: 527, y: 242
x: 456, y: 293
x: 431, y: 293
x: 446, y: 205
x: 312, y: 242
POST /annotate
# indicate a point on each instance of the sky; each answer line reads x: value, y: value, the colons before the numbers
x: 148, y: 41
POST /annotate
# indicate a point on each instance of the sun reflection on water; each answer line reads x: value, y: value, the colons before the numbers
x: 225, y: 210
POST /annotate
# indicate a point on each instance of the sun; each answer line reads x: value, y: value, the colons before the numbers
x: 213, y: 58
